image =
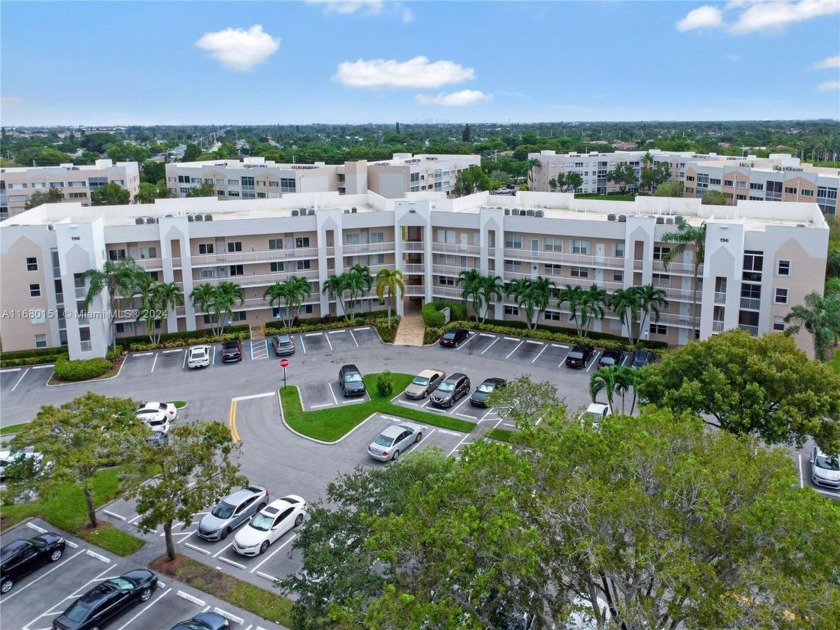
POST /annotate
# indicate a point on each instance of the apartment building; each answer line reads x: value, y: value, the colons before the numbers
x: 258, y: 178
x: 76, y: 183
x: 761, y: 258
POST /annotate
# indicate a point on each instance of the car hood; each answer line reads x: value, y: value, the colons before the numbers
x: 442, y: 395
x: 414, y: 389
x: 211, y: 523
x: 824, y: 473
x: 248, y: 536
x: 478, y: 395
x: 355, y: 386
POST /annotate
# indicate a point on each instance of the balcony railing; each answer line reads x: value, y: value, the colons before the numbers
x: 753, y: 330
x: 577, y: 260
x: 450, y: 270
x: 442, y: 290
x: 258, y: 280
x: 720, y: 297
x: 753, y: 304
x: 413, y: 246
x: 717, y: 326
x: 679, y: 294
x: 412, y: 268
x: 456, y: 248
x: 685, y: 269
x: 226, y: 258
x: 150, y: 263
x: 415, y: 289
x: 369, y: 248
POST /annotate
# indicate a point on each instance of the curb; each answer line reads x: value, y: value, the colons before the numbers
x: 312, y: 439
x: 90, y: 380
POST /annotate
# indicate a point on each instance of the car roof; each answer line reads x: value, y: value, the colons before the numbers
x: 597, y: 407
x: 240, y: 495
x: 283, y: 336
x: 349, y: 366
x: 277, y: 505
x: 200, y: 348
x: 493, y: 379
x: 232, y: 342
x: 430, y: 373
x: 394, y: 430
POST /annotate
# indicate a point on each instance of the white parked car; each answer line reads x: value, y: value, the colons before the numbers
x: 277, y: 518
x: 198, y: 356
x: 825, y: 469
x: 157, y: 415
x: 595, y: 413
x: 8, y: 458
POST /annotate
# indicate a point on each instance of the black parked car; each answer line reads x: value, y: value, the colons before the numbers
x: 483, y: 391
x: 283, y: 345
x: 579, y: 356
x: 610, y: 358
x: 204, y: 621
x: 231, y: 351
x: 453, y: 338
x: 19, y: 558
x: 352, y: 383
x: 643, y: 358
x: 107, y: 601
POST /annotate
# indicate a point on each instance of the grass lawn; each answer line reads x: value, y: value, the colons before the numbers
x: 501, y: 435
x: 331, y: 424
x: 610, y: 197
x: 835, y: 362
x: 179, y: 404
x: 11, y: 428
x: 268, y: 605
x: 66, y: 509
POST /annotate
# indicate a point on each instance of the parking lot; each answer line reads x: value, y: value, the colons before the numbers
x: 37, y: 599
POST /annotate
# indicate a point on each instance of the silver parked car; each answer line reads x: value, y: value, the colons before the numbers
x: 231, y: 512
x: 395, y: 440
x: 424, y: 383
x: 825, y: 469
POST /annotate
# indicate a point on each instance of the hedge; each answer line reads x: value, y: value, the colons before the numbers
x: 30, y: 357
x: 188, y: 337
x: 67, y: 370
x: 192, y: 341
x: 432, y: 316
x: 328, y: 322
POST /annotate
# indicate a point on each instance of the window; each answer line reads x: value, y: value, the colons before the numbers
x: 32, y: 264
x: 274, y: 184
x: 205, y: 248
x: 148, y: 252
x: 553, y: 270
x: 806, y: 193
x: 580, y: 246
x: 751, y: 291
x: 552, y: 244
x: 260, y: 195
x: 205, y: 274
x: 579, y: 272
x: 659, y: 253
x: 233, y: 182
x: 236, y: 270
x: 783, y: 268
x: 377, y: 237
x: 553, y: 315
x: 513, y: 241
x: 39, y: 185
x: 351, y: 239
x: 658, y: 329
x: 277, y: 267
x: 248, y: 181
x: 233, y: 193
x: 781, y: 296
x: 287, y: 184
x: 778, y: 323
x: 235, y: 246
x: 35, y: 290
x: 618, y: 250
x: 16, y: 186
x: 56, y: 184
x: 40, y: 341
x: 377, y: 259
x: 753, y: 266
x: 513, y: 265
x: 447, y: 281
x: 240, y: 316
x: 826, y: 193
x: 220, y: 182
x: 275, y: 243
x: 740, y: 184
x: 154, y: 275
x: 127, y: 327
x: 727, y: 182
x: 302, y: 241
x: 755, y: 186
x: 511, y: 310
x: 304, y: 264
x: 618, y: 276
x: 790, y: 190
x: 116, y: 254
x: 739, y: 196
x: 78, y: 195
x: 714, y: 181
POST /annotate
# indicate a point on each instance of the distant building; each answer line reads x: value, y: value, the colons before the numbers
x: 76, y: 183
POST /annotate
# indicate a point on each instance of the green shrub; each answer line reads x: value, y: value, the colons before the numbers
x: 187, y: 337
x: 385, y: 384
x: 387, y: 335
x: 67, y: 370
x: 433, y: 317
x: 9, y: 363
x: 32, y: 352
x: 431, y: 335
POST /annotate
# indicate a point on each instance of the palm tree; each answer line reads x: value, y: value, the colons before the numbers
x: 228, y: 294
x: 687, y: 237
x: 519, y: 290
x: 148, y: 307
x: 335, y: 286
x: 278, y: 292
x: 117, y: 278
x: 389, y: 280
x: 820, y: 316
x: 492, y: 288
x: 298, y: 289
x: 603, y: 379
x: 574, y: 296
x: 202, y: 297
x: 651, y: 299
x: 359, y: 282
x: 470, y: 282
x: 365, y: 281
x: 593, y: 304
x: 541, y: 290
x: 625, y: 304
x: 624, y: 379
x: 169, y: 295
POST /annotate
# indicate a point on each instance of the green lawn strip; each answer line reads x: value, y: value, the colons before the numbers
x: 331, y: 424
x: 179, y: 404
x: 835, y: 362
x: 65, y: 508
x: 267, y: 604
x: 501, y: 435
x: 11, y: 428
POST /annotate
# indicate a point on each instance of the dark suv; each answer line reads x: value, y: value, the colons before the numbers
x: 231, y: 351
x: 579, y: 356
x: 642, y: 359
x: 451, y: 389
x: 352, y: 383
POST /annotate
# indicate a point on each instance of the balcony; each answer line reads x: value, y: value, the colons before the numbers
x: 455, y: 248
x: 226, y: 258
x: 752, y: 304
x: 720, y: 297
x: 753, y: 330
x: 578, y: 260
x: 681, y: 295
x: 258, y: 280
x: 413, y: 246
x: 369, y: 248
x: 717, y: 326
x: 414, y: 269
x: 415, y: 289
x: 451, y: 270
x: 684, y: 269
x: 150, y: 263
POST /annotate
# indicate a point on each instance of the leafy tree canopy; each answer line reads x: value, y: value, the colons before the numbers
x: 111, y: 194
x: 52, y: 195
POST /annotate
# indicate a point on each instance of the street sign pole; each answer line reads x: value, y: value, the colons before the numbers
x: 284, y: 363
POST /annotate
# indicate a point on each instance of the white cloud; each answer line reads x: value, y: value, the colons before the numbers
x: 454, y: 99
x: 414, y: 73
x: 768, y: 16
x: 346, y: 7
x: 828, y: 85
x: 829, y: 63
x: 702, y: 17
x: 238, y: 49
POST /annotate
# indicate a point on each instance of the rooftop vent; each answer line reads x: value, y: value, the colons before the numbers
x: 507, y: 211
x: 353, y: 210
x: 151, y: 220
x: 311, y: 211
x: 139, y: 221
x: 660, y: 220
x: 208, y: 217
x: 190, y: 218
x: 610, y: 217
x: 199, y: 217
x: 529, y: 212
x: 516, y: 212
x: 679, y: 220
x: 539, y: 213
x: 169, y: 216
x: 669, y: 220
x: 303, y: 212
x: 622, y: 218
x: 346, y: 211
x: 295, y: 213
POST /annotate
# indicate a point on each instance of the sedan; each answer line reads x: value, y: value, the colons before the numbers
x: 231, y: 351
x: 107, y: 600
x: 579, y: 356
x: 453, y: 338
x: 395, y: 440
x: 203, y: 621
x: 280, y: 516
x: 483, y: 391
x: 825, y: 469
x: 424, y: 383
x: 283, y: 345
x: 198, y: 356
x: 231, y: 512
x: 19, y: 558
x: 23, y: 463
x: 157, y: 415
x: 451, y: 390
x: 610, y: 358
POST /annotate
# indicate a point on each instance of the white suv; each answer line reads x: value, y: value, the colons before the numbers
x: 199, y: 356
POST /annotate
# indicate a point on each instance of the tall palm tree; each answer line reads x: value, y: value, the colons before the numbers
x: 227, y: 295
x: 470, y: 282
x: 593, y: 305
x: 359, y: 282
x: 169, y: 295
x: 541, y: 290
x: 202, y: 296
x: 625, y: 304
x: 820, y: 316
x: 389, y: 280
x: 116, y: 278
x: 574, y: 296
x: 688, y: 237
x: 624, y: 379
x: 491, y: 288
x: 365, y: 281
x: 148, y: 303
x: 277, y: 293
x: 520, y: 291
x: 651, y: 299
x: 298, y: 289
x: 335, y: 286
x: 603, y: 379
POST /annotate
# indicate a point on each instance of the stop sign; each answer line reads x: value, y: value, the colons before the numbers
x: 284, y: 363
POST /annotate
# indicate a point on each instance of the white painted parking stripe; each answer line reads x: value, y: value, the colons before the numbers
x: 321, y: 406
x: 228, y: 615
x: 228, y: 546
x: 801, y: 476
x: 461, y: 404
x: 142, y: 354
x: 405, y: 402
x: 335, y: 400
x: 115, y: 515
x: 204, y: 551
x: 149, y: 605
x: 313, y: 334
x: 508, y: 424
x: 564, y: 359
x: 302, y: 345
x: 266, y: 348
x: 335, y: 332
x: 484, y: 417
x: 511, y: 339
x: 154, y: 363
x: 594, y: 361
x: 539, y: 343
x: 236, y: 564
x: 470, y: 337
x: 10, y: 370
x: 266, y: 576
x: 191, y: 598
x: 171, y: 351
x: 491, y: 345
x: 184, y: 364
x: 481, y: 334
x: 252, y: 396
x: 252, y: 350
x: 355, y: 401
x: 559, y: 345
x: 446, y: 432
x: 514, y: 350
x: 214, y: 355
x: 539, y: 353
x: 6, y: 598
x: 329, y: 343
x: 20, y: 379
x: 98, y: 556
x: 40, y: 530
x: 70, y: 543
x: 364, y: 328
x: 43, y: 367
x: 136, y: 518
x: 354, y: 338
x: 271, y: 555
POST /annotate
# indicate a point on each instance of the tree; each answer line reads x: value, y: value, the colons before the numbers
x: 204, y: 190
x: 292, y: 291
x: 470, y: 180
x: 117, y: 279
x: 651, y: 299
x: 623, y: 174
x: 603, y: 380
x: 149, y: 192
x: 820, y: 316
x: 624, y: 380
x: 111, y: 194
x: 713, y: 198
x: 202, y: 297
x: 625, y: 304
x: 566, y: 182
x: 78, y: 439
x: 653, y: 176
x: 226, y: 296
x: 191, y: 152
x: 469, y: 281
x: 669, y: 189
x: 152, y: 172
x: 359, y: 282
x: 593, y: 303
x: 335, y: 286
x: 188, y: 473
x: 574, y: 296
x: 688, y: 237
x: 390, y: 282
x: 533, y: 295
x: 156, y: 298
x: 765, y: 387
x: 52, y: 195
x: 491, y: 289
x: 523, y: 400
x: 466, y: 134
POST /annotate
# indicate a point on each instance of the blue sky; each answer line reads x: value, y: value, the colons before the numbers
x: 359, y: 61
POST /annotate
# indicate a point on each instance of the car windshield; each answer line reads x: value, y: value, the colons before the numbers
x: 149, y: 412
x: 156, y: 423
x: 420, y: 380
x: 384, y: 440
x: 486, y: 388
x: 576, y: 355
x: 223, y: 510
x: 120, y: 583
x: 828, y: 463
x: 352, y: 377
x: 446, y: 386
x: 607, y: 361
x: 231, y: 345
x: 78, y: 612
x: 449, y: 335
x: 198, y: 353
x: 262, y: 522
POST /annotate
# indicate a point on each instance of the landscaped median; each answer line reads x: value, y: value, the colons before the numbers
x: 330, y: 425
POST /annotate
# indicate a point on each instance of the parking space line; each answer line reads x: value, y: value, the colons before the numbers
x: 539, y: 353
x: 515, y: 349
x: 470, y: 337
x: 491, y: 345
x: 446, y: 432
x: 302, y: 345
x: 364, y: 328
x: 98, y: 556
x: 142, y: 354
x: 335, y: 332
x: 214, y: 356
x: 184, y: 364
x: 174, y: 350
x: 559, y: 345
x: 594, y: 361
x: 564, y: 360
x: 801, y: 476
x: 9, y: 370
x: 109, y: 513
x: 20, y: 379
x: 266, y: 576
x: 204, y: 551
x: 321, y: 406
x: 154, y: 363
x: 315, y: 334
x: 481, y: 334
x: 271, y: 555
x: 191, y: 598
x: 511, y: 339
x: 253, y: 396
x: 266, y: 349
x: 229, y: 616
x: 252, y: 350
x: 354, y: 338
x: 43, y: 367
x: 30, y: 583
x: 234, y: 563
x: 328, y: 341
x: 461, y: 404
x: 149, y: 605
x: 228, y: 546
x: 335, y: 400
x: 40, y: 530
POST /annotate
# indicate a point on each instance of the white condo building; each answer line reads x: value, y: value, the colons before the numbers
x: 761, y: 258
